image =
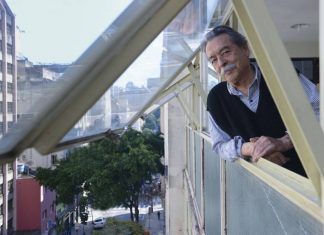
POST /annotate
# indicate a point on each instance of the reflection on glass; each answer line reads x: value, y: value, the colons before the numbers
x: 32, y: 85
x: 151, y: 70
x: 42, y: 40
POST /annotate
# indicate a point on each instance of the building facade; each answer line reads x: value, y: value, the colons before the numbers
x: 8, y: 113
x: 36, y: 206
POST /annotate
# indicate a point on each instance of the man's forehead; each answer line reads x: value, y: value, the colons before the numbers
x: 217, y: 44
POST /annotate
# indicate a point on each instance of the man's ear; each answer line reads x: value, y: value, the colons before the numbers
x: 246, y: 50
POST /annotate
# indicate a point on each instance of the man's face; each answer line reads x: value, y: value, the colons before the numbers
x: 229, y: 60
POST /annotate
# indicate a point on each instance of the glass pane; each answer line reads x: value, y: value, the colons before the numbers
x: 212, y: 190
x: 198, y: 170
x: 50, y: 37
x: 257, y: 201
x: 159, y: 62
x: 49, y: 65
x: 59, y: 31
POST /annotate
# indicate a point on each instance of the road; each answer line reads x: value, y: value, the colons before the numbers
x: 120, y: 212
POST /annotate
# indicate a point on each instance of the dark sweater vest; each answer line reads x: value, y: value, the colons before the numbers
x: 234, y: 118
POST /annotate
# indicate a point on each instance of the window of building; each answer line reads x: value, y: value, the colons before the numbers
x: 9, y: 49
x: 9, y: 28
x: 10, y: 226
x: 10, y: 87
x: 9, y: 68
x: 10, y: 107
x: 10, y: 186
x: 10, y: 205
x: 54, y: 159
x: 1, y: 188
x: 10, y: 166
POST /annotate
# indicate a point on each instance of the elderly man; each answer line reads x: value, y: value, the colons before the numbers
x: 244, y: 119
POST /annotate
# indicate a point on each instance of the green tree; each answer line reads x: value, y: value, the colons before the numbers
x: 133, y: 162
x: 111, y: 171
x: 152, y: 121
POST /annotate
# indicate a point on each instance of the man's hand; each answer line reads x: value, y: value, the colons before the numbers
x: 265, y: 146
x: 277, y: 158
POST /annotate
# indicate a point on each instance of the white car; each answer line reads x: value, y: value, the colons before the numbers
x: 99, y: 222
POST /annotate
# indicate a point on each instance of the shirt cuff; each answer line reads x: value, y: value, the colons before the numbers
x: 238, y: 140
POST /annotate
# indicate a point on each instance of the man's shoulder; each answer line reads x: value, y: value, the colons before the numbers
x: 218, y: 88
x: 215, y: 94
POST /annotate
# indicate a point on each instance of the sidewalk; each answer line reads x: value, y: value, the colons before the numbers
x: 83, y: 229
x: 155, y: 225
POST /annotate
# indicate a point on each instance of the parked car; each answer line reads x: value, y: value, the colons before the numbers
x: 99, y: 222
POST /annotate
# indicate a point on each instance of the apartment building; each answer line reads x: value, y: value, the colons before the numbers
x: 8, y: 114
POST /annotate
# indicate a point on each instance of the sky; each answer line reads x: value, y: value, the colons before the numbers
x: 58, y: 31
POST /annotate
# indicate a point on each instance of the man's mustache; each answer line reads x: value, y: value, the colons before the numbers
x: 226, y: 68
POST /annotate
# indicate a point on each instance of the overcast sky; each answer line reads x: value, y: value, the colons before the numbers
x: 58, y: 31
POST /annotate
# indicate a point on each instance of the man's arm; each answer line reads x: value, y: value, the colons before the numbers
x: 224, y: 146
x: 232, y: 149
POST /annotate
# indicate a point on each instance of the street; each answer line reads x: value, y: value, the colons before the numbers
x: 151, y: 222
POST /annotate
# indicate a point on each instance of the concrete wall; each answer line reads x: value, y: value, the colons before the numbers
x: 33, y: 159
x: 175, y: 139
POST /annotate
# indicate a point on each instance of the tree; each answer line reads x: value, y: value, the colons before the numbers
x: 111, y: 171
x: 133, y: 162
x: 152, y: 121
x: 155, y: 141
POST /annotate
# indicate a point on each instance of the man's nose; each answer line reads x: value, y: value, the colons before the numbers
x: 221, y: 62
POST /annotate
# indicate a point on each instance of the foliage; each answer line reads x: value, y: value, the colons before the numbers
x: 155, y: 142
x: 152, y: 121
x: 113, y: 226
x: 111, y: 171
x: 133, y: 162
x: 70, y: 172
x: 83, y: 202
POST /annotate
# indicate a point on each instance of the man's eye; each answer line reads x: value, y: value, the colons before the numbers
x: 213, y: 60
x: 225, y: 53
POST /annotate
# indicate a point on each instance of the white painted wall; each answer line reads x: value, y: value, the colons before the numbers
x: 302, y: 49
